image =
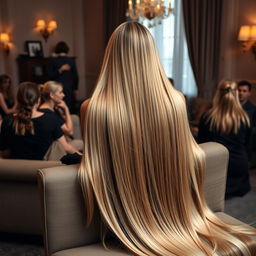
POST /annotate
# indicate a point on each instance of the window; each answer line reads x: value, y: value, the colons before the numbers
x: 171, y: 43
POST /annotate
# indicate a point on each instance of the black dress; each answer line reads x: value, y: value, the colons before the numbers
x: 30, y: 146
x: 238, y: 183
x: 68, y: 78
x: 250, y: 109
x: 8, y: 104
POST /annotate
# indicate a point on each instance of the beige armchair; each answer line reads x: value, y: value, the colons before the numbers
x: 19, y: 197
x: 63, y: 209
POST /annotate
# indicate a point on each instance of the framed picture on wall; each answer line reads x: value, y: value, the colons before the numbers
x: 34, y: 48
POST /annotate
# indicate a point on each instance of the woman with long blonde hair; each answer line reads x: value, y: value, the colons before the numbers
x: 227, y: 123
x: 141, y: 163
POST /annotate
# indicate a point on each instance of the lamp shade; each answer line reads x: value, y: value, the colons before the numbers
x: 4, y: 38
x: 244, y: 33
x: 52, y: 25
x: 40, y: 24
x: 253, y: 32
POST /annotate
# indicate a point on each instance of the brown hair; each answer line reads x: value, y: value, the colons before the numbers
x: 27, y: 96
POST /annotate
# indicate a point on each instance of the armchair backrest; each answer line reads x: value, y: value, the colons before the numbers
x: 63, y: 207
x: 64, y: 211
x: 19, y: 196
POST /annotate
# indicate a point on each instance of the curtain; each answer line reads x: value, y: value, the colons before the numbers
x: 172, y: 47
x: 202, y: 20
x: 115, y: 14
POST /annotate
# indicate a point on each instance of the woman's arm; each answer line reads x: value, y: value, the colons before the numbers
x: 67, y: 147
x: 5, y: 107
x: 67, y: 127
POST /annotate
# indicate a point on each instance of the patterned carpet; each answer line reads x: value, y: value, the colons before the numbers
x: 17, y: 245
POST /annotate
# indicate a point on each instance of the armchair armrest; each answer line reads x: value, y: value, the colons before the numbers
x: 215, y: 176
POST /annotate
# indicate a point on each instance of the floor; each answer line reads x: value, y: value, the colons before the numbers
x: 244, y: 208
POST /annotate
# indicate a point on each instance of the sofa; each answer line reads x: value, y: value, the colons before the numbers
x: 63, y: 208
x: 19, y: 196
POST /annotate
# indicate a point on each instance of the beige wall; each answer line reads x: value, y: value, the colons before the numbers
x: 19, y: 19
x: 95, y: 41
x: 235, y: 63
x: 81, y: 24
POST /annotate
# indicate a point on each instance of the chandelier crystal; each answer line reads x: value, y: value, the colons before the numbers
x: 152, y: 10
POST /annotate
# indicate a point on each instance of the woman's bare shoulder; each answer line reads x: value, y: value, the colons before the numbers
x: 84, y: 106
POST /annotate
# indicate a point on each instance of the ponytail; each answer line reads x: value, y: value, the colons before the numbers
x: 47, y: 88
x: 27, y: 96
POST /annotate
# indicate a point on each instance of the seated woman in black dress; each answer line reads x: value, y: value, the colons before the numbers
x: 7, y: 105
x: 228, y: 124
x: 52, y: 102
x: 28, y: 134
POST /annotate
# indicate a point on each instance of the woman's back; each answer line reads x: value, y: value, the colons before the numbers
x: 141, y: 163
x: 235, y: 142
x: 30, y: 146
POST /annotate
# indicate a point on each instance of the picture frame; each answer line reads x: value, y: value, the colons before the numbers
x: 34, y: 48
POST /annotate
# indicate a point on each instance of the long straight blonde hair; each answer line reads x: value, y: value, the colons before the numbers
x: 141, y: 163
x: 227, y: 114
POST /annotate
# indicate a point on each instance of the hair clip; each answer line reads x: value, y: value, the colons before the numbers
x: 226, y: 90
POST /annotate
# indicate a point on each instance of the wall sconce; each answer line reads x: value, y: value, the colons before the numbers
x: 247, y: 36
x: 5, y: 41
x: 46, y: 29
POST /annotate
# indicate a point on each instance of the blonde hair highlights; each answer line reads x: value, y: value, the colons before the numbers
x: 141, y: 162
x: 47, y: 88
x: 227, y: 114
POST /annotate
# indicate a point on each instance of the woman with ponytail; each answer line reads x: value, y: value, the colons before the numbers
x: 227, y: 123
x: 141, y: 164
x: 28, y: 134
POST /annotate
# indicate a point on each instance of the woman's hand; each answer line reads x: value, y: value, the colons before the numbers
x: 64, y: 67
x: 62, y: 104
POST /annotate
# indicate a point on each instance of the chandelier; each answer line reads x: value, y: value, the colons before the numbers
x: 152, y: 10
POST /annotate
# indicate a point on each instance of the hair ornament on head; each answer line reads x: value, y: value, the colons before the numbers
x: 227, y: 90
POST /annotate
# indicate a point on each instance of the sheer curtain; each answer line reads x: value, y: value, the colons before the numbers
x: 171, y: 43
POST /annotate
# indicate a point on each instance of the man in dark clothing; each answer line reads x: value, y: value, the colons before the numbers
x: 244, y: 92
x: 63, y: 70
